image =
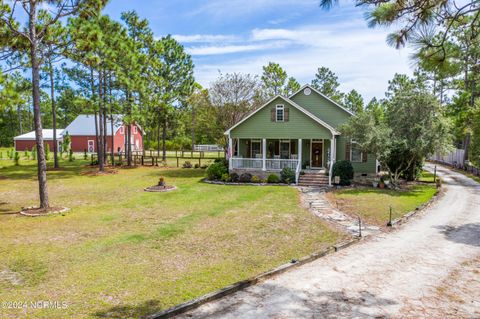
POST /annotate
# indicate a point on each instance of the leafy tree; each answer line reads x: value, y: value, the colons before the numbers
x: 234, y: 95
x: 412, y: 129
x: 273, y: 79
x: 327, y: 82
x: 292, y: 86
x: 32, y: 39
x: 177, y: 72
x: 354, y: 101
x: 414, y: 14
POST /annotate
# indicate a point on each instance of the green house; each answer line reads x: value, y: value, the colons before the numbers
x: 300, y: 132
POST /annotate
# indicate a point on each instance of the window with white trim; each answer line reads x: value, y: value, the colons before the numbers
x: 135, y: 129
x: 121, y: 130
x: 355, y: 153
x: 280, y: 113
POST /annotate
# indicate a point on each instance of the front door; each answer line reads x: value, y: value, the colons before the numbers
x: 317, y: 154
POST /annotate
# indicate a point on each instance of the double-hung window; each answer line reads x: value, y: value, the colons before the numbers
x: 280, y: 113
x: 355, y: 153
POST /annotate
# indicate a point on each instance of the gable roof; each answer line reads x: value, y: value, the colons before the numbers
x: 84, y: 125
x: 47, y: 135
x: 322, y: 95
x: 298, y: 107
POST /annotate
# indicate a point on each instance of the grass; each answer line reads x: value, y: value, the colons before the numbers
x: 373, y: 204
x: 123, y: 253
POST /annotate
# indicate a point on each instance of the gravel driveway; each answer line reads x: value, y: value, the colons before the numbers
x: 428, y: 268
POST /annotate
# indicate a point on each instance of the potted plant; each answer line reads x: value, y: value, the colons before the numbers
x: 381, y: 184
x: 161, y: 181
x: 375, y: 183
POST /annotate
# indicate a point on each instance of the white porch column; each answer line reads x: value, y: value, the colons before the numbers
x: 230, y: 151
x: 332, y: 159
x: 264, y: 154
x: 300, y: 152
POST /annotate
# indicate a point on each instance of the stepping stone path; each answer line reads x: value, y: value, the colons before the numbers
x: 314, y: 199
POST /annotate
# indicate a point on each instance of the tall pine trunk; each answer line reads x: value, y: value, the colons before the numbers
x: 41, y: 162
x: 164, y: 140
x: 101, y: 158
x: 54, y: 113
x: 112, y: 153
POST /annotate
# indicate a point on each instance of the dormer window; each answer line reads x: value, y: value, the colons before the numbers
x: 280, y: 113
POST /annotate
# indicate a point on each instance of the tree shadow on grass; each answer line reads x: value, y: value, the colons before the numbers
x: 4, y: 210
x: 468, y: 234
x: 180, y: 173
x: 129, y: 311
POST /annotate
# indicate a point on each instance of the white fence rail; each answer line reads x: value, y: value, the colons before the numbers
x: 207, y: 148
x: 257, y: 164
x: 454, y: 158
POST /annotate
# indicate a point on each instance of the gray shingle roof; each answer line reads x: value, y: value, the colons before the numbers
x: 85, y: 125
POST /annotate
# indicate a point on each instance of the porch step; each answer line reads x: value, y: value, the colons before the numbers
x: 313, y: 179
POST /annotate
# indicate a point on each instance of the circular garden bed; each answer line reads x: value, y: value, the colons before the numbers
x: 37, y: 212
x: 159, y: 189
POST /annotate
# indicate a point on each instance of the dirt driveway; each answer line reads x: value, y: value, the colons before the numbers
x: 429, y: 268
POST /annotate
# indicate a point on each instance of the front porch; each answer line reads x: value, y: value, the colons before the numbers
x: 273, y: 155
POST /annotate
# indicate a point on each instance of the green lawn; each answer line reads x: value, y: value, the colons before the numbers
x: 373, y: 204
x: 122, y: 252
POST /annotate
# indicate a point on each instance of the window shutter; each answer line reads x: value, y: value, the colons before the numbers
x: 274, y: 115
x: 364, y: 157
x: 285, y: 115
x: 347, y: 151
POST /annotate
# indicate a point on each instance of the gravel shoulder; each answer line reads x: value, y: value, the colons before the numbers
x: 421, y: 269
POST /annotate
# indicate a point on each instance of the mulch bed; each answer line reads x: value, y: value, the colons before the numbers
x: 157, y: 188
x: 98, y: 173
x: 36, y: 211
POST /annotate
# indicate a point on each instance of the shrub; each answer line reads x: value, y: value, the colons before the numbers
x: 344, y: 170
x: 256, y: 179
x: 197, y: 165
x: 16, y: 158
x: 204, y: 166
x: 287, y: 175
x: 222, y: 160
x: 71, y: 158
x: 25, y: 154
x: 215, y: 171
x: 245, y: 178
x: 34, y: 153
x: 12, y: 154
x: 187, y: 164
x: 1, y: 155
x: 85, y: 156
x: 47, y: 151
x: 225, y: 177
x: 234, y: 177
x: 273, y: 178
x: 438, y: 182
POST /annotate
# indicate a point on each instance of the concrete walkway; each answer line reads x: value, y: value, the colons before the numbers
x: 428, y: 268
x: 313, y: 198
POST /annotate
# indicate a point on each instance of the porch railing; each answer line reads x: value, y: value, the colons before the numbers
x: 270, y: 164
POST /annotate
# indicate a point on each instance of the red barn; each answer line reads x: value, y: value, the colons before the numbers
x: 27, y: 141
x: 82, y: 133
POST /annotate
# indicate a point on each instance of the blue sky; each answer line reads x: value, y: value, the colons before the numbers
x: 241, y: 36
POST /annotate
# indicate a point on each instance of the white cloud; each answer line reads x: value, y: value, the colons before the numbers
x: 226, y: 49
x: 358, y: 55
x: 210, y: 38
